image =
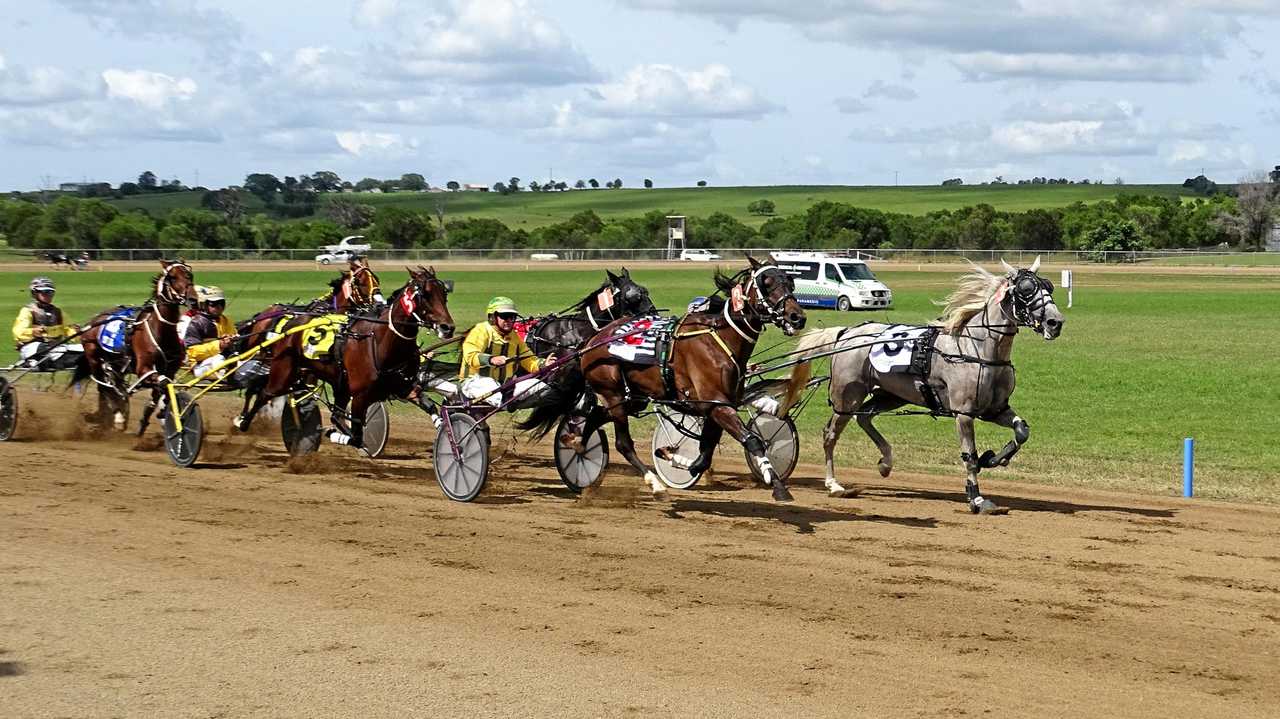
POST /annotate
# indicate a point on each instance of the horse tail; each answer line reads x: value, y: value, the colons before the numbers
x: 560, y: 401
x: 822, y: 339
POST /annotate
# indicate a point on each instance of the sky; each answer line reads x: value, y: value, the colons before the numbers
x: 734, y: 92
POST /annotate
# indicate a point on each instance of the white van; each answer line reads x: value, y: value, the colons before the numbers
x: 839, y: 283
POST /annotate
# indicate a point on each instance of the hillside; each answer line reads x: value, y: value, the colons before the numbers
x: 529, y: 210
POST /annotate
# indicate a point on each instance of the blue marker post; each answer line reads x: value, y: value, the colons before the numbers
x: 1188, y: 466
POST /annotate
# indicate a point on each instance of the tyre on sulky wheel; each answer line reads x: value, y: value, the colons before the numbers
x: 579, y: 471
x: 781, y: 442
x: 183, y: 445
x: 8, y: 410
x: 461, y: 456
x: 675, y: 447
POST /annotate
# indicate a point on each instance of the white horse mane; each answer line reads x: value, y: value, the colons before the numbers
x: 971, y: 294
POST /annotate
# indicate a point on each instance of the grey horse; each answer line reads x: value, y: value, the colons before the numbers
x: 958, y: 366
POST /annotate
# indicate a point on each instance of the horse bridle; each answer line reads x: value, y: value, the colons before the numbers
x: 374, y: 285
x: 164, y: 291
x: 632, y: 293
x: 772, y: 310
x: 419, y: 289
x: 1027, y: 299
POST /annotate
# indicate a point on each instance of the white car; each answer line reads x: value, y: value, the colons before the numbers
x: 837, y: 283
x: 328, y: 258
x: 698, y: 256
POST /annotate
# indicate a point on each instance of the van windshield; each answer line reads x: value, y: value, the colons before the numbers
x: 855, y: 272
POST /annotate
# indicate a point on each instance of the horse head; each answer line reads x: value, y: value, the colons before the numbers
x: 176, y: 283
x: 364, y: 282
x: 428, y: 300
x: 1028, y: 298
x: 632, y: 297
x: 770, y: 293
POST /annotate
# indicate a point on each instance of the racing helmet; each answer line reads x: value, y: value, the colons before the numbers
x: 500, y: 304
x: 41, y: 284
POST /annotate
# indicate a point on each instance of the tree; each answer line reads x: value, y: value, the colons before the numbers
x: 1256, y: 203
x: 1112, y: 236
x: 1275, y: 175
x: 367, y: 184
x: 263, y: 186
x: 513, y: 185
x: 580, y: 184
x: 453, y: 185
x: 617, y: 184
x: 147, y: 181
x: 413, y: 182
x: 595, y: 184
x: 953, y: 181
x: 225, y: 201
x: 128, y: 189
x: 561, y: 186
x: 348, y: 213
x: 130, y: 231
x: 534, y: 186
x: 761, y: 207
x: 326, y: 181
x: 1038, y: 229
x: 702, y: 183
x: 389, y: 185
x: 648, y: 184
x: 401, y: 228
x: 206, y: 228
x: 500, y: 187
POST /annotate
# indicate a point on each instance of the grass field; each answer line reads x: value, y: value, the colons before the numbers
x: 529, y: 210
x: 1143, y: 362
x: 1241, y: 259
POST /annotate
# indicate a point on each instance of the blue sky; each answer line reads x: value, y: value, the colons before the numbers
x: 731, y: 91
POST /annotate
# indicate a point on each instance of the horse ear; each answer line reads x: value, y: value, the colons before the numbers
x: 626, y: 273
x: 612, y: 277
x: 431, y: 270
x: 755, y: 264
x: 1008, y: 267
x: 1035, y: 265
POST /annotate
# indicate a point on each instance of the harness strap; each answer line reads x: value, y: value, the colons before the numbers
x: 714, y: 335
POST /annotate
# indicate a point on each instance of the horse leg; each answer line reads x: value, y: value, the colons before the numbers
x: 359, y: 406
x: 879, y: 402
x: 1021, y: 433
x: 727, y: 418
x: 157, y: 394
x: 844, y: 407
x: 968, y: 454
x: 707, y: 443
x: 627, y: 447
x: 279, y: 380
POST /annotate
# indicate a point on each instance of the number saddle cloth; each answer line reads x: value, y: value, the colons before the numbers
x: 643, y: 341
x: 318, y: 334
x: 907, y: 349
x: 113, y: 335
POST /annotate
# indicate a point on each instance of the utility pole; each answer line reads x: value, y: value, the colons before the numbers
x: 895, y: 178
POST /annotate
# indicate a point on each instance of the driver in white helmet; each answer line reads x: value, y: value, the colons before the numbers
x: 41, y: 336
x: 209, y: 333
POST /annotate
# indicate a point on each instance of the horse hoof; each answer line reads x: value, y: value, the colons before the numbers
x: 781, y: 493
x: 986, y: 506
x: 885, y: 469
x: 842, y: 492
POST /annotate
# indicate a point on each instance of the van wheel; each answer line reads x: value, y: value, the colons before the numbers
x: 844, y: 305
x: 325, y: 261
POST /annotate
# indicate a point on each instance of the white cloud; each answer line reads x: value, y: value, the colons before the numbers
x: 364, y: 143
x: 666, y: 91
x: 889, y: 91
x: 1115, y: 67
x: 851, y: 105
x: 374, y: 13
x: 1069, y: 137
x: 1052, y: 110
x: 153, y: 90
x: 213, y: 29
x: 44, y: 85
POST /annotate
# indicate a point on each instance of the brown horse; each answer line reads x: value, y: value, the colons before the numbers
x: 152, y: 350
x: 373, y: 358
x: 707, y: 363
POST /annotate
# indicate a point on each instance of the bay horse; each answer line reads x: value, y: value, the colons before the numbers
x: 374, y: 358
x: 153, y: 350
x: 620, y: 296
x: 966, y: 371
x: 707, y: 365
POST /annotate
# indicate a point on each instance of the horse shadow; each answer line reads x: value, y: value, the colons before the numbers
x: 1018, y: 504
x: 804, y: 519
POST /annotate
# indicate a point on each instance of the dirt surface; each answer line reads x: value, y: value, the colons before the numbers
x: 252, y: 586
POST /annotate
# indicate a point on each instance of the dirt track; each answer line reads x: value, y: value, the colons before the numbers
x: 342, y: 586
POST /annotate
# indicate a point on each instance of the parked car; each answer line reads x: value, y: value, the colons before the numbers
x: 698, y: 256
x: 840, y: 283
x: 328, y: 258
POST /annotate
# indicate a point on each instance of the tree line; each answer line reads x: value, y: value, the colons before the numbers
x: 1129, y: 222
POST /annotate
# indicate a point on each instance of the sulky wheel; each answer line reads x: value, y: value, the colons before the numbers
x: 8, y: 410
x: 183, y: 445
x: 461, y: 457
x: 579, y: 471
x: 300, y: 427
x: 782, y: 444
x: 676, y: 437
x: 377, y: 428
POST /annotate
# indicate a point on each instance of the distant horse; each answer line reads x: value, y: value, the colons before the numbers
x: 706, y: 367
x: 373, y: 358
x: 958, y: 367
x: 152, y: 350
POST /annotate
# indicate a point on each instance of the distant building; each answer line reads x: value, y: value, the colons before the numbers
x: 75, y: 186
x: 470, y: 187
x: 1273, y: 242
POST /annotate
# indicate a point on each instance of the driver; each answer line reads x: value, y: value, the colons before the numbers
x: 492, y: 352
x: 39, y: 332
x: 210, y: 335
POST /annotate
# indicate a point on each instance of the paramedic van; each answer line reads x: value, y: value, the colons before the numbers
x: 839, y: 283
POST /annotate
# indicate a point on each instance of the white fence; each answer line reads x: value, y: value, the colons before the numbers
x: 1022, y: 257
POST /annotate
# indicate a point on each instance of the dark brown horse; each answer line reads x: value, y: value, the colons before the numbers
x: 374, y: 358
x: 152, y: 350
x: 707, y: 364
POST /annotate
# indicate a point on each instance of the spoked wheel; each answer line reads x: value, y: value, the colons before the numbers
x: 183, y: 444
x: 781, y: 443
x: 377, y: 428
x: 579, y: 471
x: 8, y: 410
x: 678, y: 435
x: 461, y: 457
x: 300, y: 427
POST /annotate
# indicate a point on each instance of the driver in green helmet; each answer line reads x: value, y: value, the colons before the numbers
x: 492, y: 353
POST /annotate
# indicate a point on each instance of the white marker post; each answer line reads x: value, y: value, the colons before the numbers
x: 1066, y: 282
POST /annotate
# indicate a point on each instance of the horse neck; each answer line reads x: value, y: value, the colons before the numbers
x: 742, y: 346
x: 396, y: 326
x: 992, y: 332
